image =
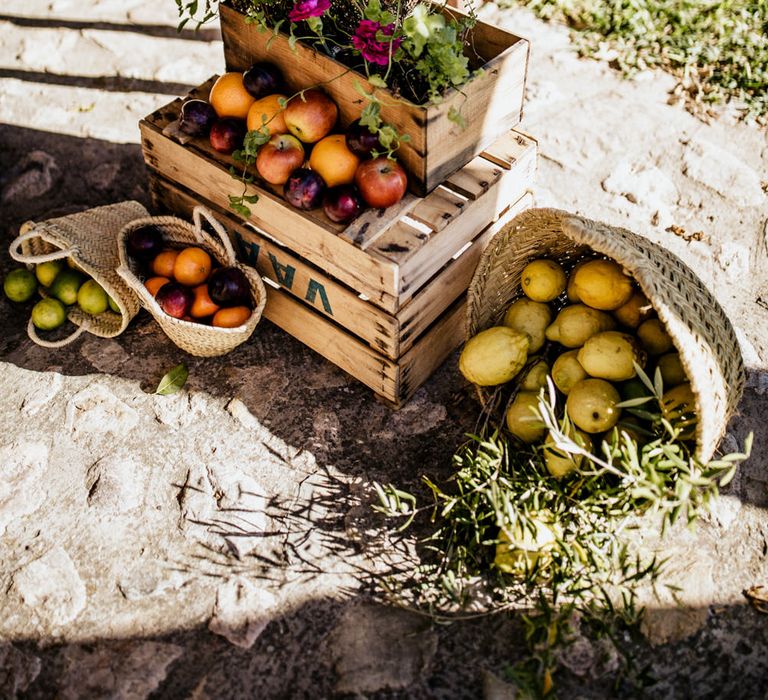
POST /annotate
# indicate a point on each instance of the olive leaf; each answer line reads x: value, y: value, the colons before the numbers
x: 173, y: 380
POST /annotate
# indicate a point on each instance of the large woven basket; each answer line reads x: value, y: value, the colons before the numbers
x: 701, y: 331
x: 195, y: 338
x: 89, y: 239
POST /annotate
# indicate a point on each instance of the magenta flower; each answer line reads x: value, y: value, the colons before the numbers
x: 373, y: 50
x: 304, y: 9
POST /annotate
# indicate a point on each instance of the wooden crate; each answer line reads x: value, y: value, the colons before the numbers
x: 491, y: 103
x: 382, y: 298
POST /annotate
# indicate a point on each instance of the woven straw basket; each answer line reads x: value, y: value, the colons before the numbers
x: 195, y: 338
x: 89, y: 238
x: 701, y: 331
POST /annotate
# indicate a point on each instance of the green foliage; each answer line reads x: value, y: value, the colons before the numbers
x: 590, y: 566
x: 718, y: 49
x: 173, y: 381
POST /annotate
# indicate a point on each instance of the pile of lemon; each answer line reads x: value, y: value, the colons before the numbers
x: 587, y: 331
x: 64, y: 284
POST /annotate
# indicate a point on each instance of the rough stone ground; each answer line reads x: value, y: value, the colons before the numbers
x: 217, y: 543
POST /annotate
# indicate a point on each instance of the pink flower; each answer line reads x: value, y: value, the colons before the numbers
x: 373, y: 50
x: 304, y: 9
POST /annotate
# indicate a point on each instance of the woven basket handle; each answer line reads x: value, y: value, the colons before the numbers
x: 200, y: 213
x: 35, y: 338
x: 27, y: 232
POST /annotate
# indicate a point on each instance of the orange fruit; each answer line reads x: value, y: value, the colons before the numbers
x: 333, y: 161
x: 267, y: 108
x: 162, y: 265
x: 192, y: 266
x: 153, y: 284
x: 229, y: 98
x: 202, y: 304
x: 232, y: 317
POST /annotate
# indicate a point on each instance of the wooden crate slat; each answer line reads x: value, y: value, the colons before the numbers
x: 332, y: 342
x: 362, y: 270
x: 439, y: 208
x: 508, y: 149
x: 372, y: 223
x: 451, y: 281
x: 475, y: 178
x: 418, y: 364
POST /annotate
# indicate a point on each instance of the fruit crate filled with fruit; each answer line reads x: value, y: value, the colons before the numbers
x: 365, y: 273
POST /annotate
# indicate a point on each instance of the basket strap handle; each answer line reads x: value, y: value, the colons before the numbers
x: 35, y: 338
x: 200, y: 213
x: 28, y: 231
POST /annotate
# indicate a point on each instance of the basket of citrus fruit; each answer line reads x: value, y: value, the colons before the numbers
x: 203, y: 298
x: 617, y: 330
x: 71, y: 263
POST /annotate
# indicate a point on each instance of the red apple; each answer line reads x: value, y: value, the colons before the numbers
x: 382, y: 182
x: 279, y: 157
x: 227, y: 135
x: 311, y: 116
x: 343, y: 203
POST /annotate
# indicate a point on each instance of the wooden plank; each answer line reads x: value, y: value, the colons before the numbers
x: 439, y: 208
x: 364, y: 271
x: 450, y: 282
x: 420, y: 362
x: 506, y: 151
x: 332, y: 342
x: 475, y: 178
x: 372, y: 223
x: 373, y: 325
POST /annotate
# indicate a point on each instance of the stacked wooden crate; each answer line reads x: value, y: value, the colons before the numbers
x: 384, y: 297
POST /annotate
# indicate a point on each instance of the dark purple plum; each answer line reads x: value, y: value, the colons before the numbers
x: 343, y: 203
x: 227, y: 135
x: 175, y: 299
x: 144, y: 243
x: 304, y: 189
x: 196, y: 117
x: 360, y: 140
x: 228, y: 286
x: 262, y: 79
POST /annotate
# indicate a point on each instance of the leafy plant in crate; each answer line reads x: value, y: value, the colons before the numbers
x: 408, y: 75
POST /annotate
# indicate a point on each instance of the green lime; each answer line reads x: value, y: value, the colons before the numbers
x: 20, y: 285
x: 48, y: 314
x: 113, y: 305
x: 46, y: 272
x: 91, y: 298
x: 65, y: 286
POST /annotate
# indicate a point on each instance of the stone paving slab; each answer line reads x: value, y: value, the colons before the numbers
x: 218, y: 543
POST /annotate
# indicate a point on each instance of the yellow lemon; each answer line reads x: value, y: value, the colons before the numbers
x: 536, y: 377
x: 654, y: 337
x: 560, y: 463
x: 678, y: 406
x: 575, y: 324
x: 529, y: 317
x: 610, y: 355
x: 525, y: 547
x: 522, y: 418
x: 592, y: 407
x: 494, y: 356
x: 602, y: 285
x: 672, y: 372
x: 46, y: 272
x: 91, y: 298
x: 567, y: 371
x: 570, y: 288
x: 542, y: 280
x: 66, y: 285
x: 634, y: 311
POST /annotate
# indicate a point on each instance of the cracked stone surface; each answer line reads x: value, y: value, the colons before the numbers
x: 219, y: 543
